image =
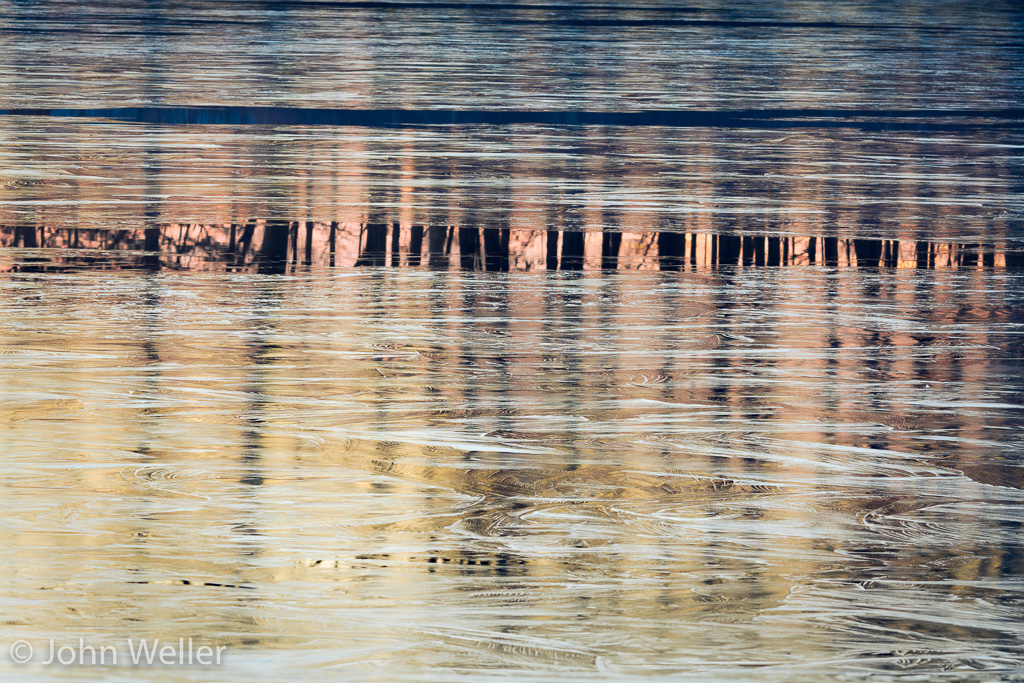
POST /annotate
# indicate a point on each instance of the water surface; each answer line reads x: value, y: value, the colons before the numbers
x: 442, y: 341
x: 761, y: 474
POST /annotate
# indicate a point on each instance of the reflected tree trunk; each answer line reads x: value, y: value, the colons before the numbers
x: 551, y: 262
x: 232, y: 244
x: 506, y: 258
x: 970, y: 257
x: 671, y: 250
x: 492, y: 249
x: 436, y: 257
x: 274, y: 250
x: 245, y: 241
x: 812, y: 250
x: 729, y: 250
x: 894, y: 254
x: 830, y: 250
x: 151, y: 245
x: 29, y: 239
x: 921, y: 254
x: 396, y: 244
x: 415, y: 245
x: 332, y: 242
x: 374, y: 248
x: 748, y: 250
x: 308, y: 255
x: 25, y: 237
x: 611, y: 241
x: 469, y: 248
x: 774, y: 251
x: 868, y: 252
x: 572, y: 249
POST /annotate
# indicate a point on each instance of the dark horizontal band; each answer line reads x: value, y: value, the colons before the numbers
x: 864, y: 119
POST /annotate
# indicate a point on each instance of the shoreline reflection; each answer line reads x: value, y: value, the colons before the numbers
x: 274, y: 247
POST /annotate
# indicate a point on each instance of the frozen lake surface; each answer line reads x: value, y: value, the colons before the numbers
x: 430, y: 341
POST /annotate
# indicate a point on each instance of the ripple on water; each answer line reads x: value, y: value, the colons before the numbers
x: 800, y: 501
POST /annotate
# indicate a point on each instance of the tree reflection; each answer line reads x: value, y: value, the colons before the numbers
x: 485, y: 248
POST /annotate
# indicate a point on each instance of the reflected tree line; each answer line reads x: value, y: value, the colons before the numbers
x: 275, y: 246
